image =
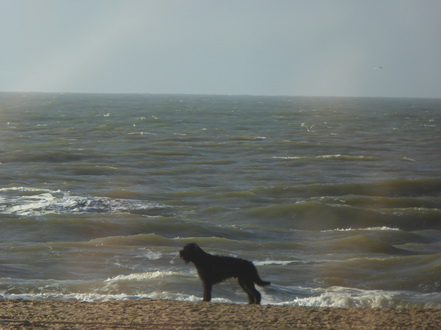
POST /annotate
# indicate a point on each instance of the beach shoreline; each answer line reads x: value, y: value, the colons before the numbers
x: 171, y: 314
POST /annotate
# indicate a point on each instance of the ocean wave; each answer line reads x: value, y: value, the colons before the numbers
x: 354, y: 212
x: 93, y: 296
x: 143, y: 276
x: 132, y: 240
x: 336, y: 297
x: 343, y: 297
x: 327, y: 157
x: 386, y: 188
x: 416, y: 272
x: 275, y: 262
x: 28, y: 189
x: 313, y: 215
x: 248, y: 138
x: 362, y: 243
x: 38, y: 202
x: 382, y: 228
x: 42, y: 157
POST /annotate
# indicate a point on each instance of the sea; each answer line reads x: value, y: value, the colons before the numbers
x: 337, y: 201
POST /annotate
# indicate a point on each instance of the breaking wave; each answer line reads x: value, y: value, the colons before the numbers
x: 342, y: 297
x: 24, y: 201
x: 328, y: 157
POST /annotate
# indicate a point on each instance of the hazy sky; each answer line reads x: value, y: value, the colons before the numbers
x: 259, y: 47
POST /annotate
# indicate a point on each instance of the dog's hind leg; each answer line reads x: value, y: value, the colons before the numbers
x: 207, y: 290
x: 254, y: 296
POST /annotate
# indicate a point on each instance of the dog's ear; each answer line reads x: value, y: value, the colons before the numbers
x: 193, y: 246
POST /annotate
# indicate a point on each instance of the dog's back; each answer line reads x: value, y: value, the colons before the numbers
x: 219, y: 268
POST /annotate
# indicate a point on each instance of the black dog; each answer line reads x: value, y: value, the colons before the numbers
x: 213, y: 269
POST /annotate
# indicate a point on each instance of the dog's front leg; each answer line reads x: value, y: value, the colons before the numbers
x: 207, y: 291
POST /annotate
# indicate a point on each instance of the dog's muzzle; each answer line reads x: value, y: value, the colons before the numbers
x: 183, y: 256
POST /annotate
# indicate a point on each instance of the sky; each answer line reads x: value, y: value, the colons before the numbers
x: 372, y: 48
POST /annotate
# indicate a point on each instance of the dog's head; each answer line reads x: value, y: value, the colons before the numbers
x: 190, y: 252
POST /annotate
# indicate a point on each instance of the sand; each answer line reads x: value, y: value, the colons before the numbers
x: 168, y: 314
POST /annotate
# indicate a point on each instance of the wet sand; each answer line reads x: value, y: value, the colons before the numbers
x: 169, y: 314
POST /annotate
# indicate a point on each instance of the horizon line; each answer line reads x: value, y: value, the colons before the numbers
x: 217, y: 94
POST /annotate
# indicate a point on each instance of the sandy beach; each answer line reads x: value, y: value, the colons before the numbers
x: 167, y: 314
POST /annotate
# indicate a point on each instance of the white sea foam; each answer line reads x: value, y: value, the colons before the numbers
x: 321, y: 157
x: 343, y: 297
x: 152, y: 255
x: 383, y: 228
x: 45, y: 201
x: 88, y: 297
x: 143, y: 276
x: 274, y: 262
x: 337, y: 297
x: 141, y: 133
x: 28, y: 189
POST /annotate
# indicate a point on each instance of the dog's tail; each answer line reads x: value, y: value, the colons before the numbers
x: 260, y: 282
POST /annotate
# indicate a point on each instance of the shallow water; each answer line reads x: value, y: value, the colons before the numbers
x: 336, y: 200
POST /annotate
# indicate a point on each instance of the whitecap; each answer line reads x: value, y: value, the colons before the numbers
x: 329, y: 157
x: 28, y: 189
x: 343, y: 297
x: 383, y: 228
x: 152, y: 255
x: 143, y: 276
x: 274, y: 262
x: 39, y: 202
